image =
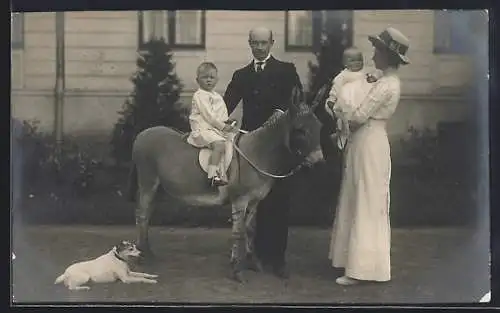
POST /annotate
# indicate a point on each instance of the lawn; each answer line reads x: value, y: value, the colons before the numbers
x: 428, y: 266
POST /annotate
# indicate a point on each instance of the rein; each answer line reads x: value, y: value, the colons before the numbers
x: 292, y: 172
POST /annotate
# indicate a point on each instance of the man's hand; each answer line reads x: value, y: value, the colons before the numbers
x: 230, y: 129
x: 231, y: 122
x: 230, y: 126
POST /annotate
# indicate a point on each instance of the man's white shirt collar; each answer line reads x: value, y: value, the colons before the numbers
x: 263, y: 64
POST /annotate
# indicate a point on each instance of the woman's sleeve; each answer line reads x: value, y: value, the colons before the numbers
x: 337, y: 82
x: 378, y: 96
x: 202, y: 104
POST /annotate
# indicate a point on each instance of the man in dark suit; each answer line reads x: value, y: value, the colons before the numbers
x: 265, y: 85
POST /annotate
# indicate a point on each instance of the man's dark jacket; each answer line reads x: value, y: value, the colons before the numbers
x: 261, y: 94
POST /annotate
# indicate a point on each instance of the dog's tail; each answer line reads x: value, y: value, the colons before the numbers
x: 60, y: 279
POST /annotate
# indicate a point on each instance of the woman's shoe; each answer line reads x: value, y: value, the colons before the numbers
x: 346, y: 281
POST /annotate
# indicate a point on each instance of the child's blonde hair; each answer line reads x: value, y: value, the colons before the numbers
x: 203, y: 67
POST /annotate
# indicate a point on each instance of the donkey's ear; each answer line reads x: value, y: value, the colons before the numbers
x: 297, y: 100
x: 293, y: 107
x: 320, y: 96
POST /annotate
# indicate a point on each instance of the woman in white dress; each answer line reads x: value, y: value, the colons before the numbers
x: 361, y: 235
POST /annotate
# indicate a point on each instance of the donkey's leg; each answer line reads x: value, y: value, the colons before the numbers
x: 147, y: 190
x: 250, y: 223
x: 238, y: 235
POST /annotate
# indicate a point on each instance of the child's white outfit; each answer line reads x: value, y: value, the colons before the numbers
x: 348, y: 91
x: 207, y: 117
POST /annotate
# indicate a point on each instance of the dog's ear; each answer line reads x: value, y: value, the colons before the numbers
x: 123, y: 245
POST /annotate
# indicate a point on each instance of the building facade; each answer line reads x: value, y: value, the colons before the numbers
x: 101, y: 49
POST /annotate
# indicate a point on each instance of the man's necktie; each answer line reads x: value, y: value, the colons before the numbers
x: 259, y: 67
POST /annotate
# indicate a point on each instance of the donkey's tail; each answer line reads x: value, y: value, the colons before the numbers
x: 132, y: 183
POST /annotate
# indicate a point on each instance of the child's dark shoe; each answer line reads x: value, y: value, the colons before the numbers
x: 217, y: 181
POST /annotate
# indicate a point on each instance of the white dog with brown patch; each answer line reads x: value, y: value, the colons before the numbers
x: 107, y: 268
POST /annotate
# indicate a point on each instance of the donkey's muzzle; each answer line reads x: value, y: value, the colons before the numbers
x: 315, y: 157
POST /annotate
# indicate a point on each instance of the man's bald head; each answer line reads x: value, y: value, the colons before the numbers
x: 260, y: 33
x: 261, y: 41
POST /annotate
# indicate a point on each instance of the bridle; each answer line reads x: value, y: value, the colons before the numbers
x: 316, y: 101
x: 290, y: 173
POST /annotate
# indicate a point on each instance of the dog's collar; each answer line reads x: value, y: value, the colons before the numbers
x: 119, y: 257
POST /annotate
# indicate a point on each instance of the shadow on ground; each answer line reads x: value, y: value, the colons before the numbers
x: 428, y: 265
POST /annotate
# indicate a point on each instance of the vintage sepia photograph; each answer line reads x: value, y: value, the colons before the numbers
x: 335, y: 157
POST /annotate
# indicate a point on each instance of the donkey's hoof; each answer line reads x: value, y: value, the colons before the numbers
x: 255, y: 265
x: 239, y: 277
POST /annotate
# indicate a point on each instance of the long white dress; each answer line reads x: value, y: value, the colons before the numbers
x: 361, y: 235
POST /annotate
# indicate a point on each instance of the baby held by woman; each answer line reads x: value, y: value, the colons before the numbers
x: 349, y: 89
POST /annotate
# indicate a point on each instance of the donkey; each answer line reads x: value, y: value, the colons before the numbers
x: 162, y: 157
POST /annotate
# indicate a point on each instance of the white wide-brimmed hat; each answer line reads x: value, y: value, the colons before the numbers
x: 393, y: 40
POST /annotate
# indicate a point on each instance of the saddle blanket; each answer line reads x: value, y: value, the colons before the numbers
x: 205, y: 153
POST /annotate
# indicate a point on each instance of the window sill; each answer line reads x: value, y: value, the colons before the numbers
x: 181, y: 48
x: 299, y: 49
